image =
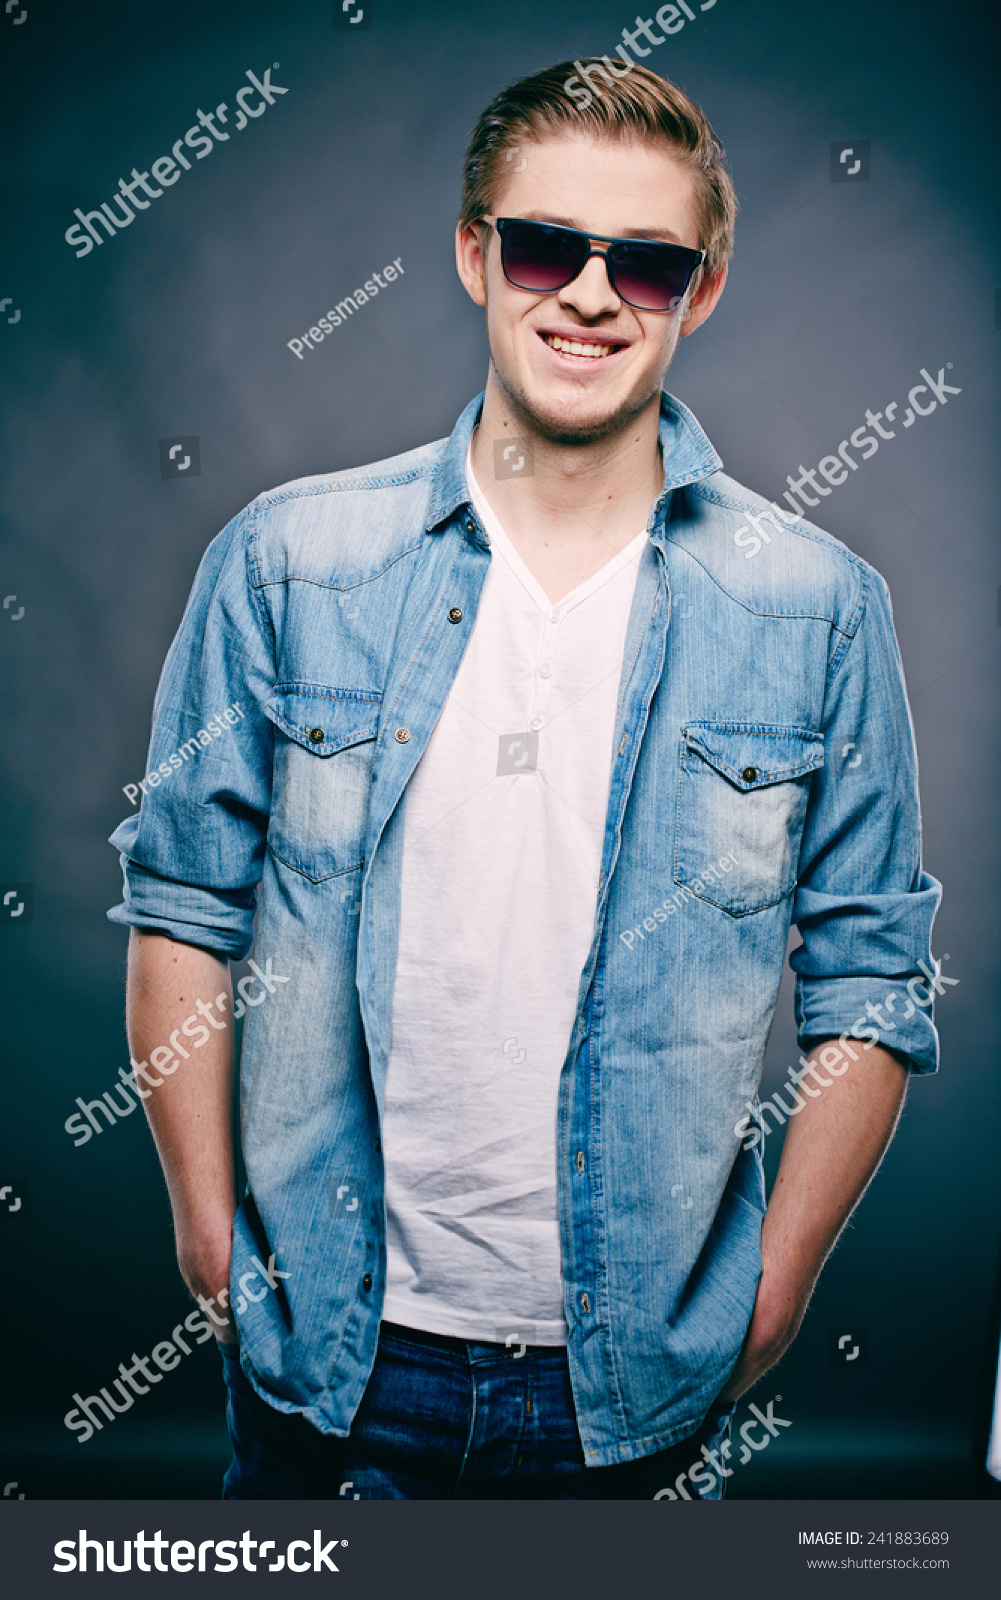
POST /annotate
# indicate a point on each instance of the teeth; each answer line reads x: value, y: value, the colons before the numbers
x: 573, y: 347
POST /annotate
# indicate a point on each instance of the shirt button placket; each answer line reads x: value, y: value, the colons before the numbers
x: 542, y: 687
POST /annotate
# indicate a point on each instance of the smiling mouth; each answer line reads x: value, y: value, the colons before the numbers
x: 578, y: 348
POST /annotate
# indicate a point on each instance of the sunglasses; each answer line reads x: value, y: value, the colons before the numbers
x: 647, y: 274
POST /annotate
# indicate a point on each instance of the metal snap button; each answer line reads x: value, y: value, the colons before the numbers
x: 366, y: 1282
x: 403, y: 735
x: 455, y: 615
x: 580, y: 1161
x: 316, y: 736
x: 749, y: 774
x: 585, y: 1302
x: 470, y: 526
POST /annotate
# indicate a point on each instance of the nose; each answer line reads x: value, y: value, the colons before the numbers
x: 590, y: 294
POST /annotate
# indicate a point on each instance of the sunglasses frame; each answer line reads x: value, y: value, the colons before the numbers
x: 695, y: 257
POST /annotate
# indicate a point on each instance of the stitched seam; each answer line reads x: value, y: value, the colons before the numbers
x: 433, y: 616
x: 472, y: 1422
x: 322, y: 691
x: 780, y: 616
x: 340, y: 485
x: 329, y: 747
x: 840, y: 655
x: 731, y: 503
x: 252, y: 558
x: 735, y: 911
x: 627, y: 675
x: 757, y: 727
x: 770, y: 775
x: 603, y: 1307
x: 341, y: 588
x: 323, y: 877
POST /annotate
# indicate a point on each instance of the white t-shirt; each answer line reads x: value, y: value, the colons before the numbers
x: 505, y: 816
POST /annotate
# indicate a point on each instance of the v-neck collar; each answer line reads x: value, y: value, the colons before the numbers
x: 501, y: 542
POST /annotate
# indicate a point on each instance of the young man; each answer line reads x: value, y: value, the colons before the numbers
x: 536, y: 767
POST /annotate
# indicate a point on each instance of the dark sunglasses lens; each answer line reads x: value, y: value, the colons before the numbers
x: 540, y: 258
x: 651, y: 278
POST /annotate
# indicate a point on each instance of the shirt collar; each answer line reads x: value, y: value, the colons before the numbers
x: 687, y: 454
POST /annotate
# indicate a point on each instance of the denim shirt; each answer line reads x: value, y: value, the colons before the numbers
x: 334, y: 612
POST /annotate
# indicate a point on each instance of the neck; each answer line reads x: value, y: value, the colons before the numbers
x: 586, y: 496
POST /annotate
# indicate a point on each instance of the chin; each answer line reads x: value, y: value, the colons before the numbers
x: 570, y: 422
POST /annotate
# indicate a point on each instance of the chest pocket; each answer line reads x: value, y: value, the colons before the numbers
x: 324, y: 751
x: 742, y: 795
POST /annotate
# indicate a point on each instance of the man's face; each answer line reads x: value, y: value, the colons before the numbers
x: 615, y: 188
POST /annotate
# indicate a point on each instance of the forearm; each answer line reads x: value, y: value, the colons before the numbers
x: 832, y: 1149
x: 831, y: 1152
x: 188, y: 1101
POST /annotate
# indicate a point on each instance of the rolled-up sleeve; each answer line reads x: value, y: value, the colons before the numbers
x: 193, y: 855
x: 864, y: 906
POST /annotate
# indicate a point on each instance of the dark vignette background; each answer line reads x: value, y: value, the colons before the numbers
x: 839, y: 294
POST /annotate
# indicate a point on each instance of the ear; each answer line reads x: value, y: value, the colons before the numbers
x: 470, y: 262
x: 703, y: 302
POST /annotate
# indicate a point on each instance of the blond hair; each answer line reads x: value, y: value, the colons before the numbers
x: 636, y: 103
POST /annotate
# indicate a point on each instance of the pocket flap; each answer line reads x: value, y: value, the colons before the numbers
x: 324, y: 720
x: 753, y: 755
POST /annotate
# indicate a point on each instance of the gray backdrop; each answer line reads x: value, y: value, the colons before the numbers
x: 839, y: 294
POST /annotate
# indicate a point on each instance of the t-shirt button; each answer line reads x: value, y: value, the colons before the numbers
x: 535, y: 724
x: 555, y: 614
x: 546, y: 670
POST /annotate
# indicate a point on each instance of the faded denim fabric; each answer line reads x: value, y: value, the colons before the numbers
x: 323, y: 611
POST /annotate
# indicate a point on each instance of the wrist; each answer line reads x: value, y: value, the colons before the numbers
x: 784, y: 1291
x: 204, y: 1247
x: 207, y: 1280
x: 197, y: 1216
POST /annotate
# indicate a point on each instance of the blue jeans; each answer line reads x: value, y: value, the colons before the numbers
x: 447, y: 1419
